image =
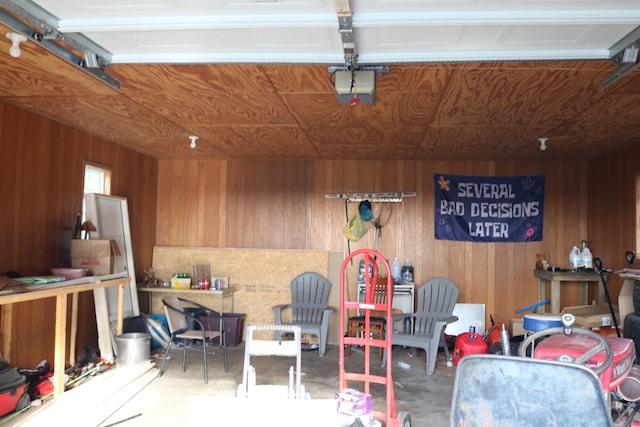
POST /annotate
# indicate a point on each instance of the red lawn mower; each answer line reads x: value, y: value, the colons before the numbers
x: 612, y: 359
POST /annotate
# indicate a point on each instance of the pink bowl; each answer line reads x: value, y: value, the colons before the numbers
x: 70, y: 273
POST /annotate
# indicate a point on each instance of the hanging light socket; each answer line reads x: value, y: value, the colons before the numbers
x: 193, y: 139
x: 543, y: 143
x: 16, y: 39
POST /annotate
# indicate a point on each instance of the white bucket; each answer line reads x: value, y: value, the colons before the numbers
x: 133, y: 348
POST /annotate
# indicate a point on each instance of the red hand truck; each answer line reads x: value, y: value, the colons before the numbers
x: 365, y: 306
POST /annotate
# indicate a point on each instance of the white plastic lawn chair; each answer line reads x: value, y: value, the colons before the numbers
x: 272, y: 347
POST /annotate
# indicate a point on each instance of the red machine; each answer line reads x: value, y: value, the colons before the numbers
x: 468, y: 343
x: 13, y: 390
x: 611, y: 358
x: 571, y: 347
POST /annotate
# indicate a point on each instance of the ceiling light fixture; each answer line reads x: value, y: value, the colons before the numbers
x: 193, y: 139
x: 16, y: 39
x: 543, y: 143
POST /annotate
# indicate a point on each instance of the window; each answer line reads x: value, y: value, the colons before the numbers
x: 97, y: 179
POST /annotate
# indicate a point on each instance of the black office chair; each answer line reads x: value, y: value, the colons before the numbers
x: 182, y: 326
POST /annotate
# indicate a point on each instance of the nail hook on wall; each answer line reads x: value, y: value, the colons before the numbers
x: 16, y: 39
x: 193, y: 139
x: 543, y: 143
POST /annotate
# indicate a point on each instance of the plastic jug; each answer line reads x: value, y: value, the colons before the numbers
x: 468, y: 343
x: 407, y: 271
x: 575, y: 258
x: 587, y: 258
x: 396, y: 269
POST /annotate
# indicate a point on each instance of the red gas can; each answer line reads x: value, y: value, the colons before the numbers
x: 468, y: 343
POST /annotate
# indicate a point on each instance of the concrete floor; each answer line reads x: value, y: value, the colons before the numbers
x: 178, y: 398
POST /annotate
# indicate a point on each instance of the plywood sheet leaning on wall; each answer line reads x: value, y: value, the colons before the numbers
x: 260, y: 277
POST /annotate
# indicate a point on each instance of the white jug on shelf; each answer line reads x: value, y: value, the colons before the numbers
x: 575, y: 259
x: 586, y: 258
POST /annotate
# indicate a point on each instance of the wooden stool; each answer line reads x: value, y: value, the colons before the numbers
x: 356, y: 326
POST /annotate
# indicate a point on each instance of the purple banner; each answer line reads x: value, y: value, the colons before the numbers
x: 489, y: 209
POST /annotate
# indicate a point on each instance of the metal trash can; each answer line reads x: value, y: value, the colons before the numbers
x: 133, y: 348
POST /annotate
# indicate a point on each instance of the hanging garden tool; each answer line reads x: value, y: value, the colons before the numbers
x: 378, y: 223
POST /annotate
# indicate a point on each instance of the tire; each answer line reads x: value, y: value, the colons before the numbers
x: 404, y: 418
x: 23, y: 402
x: 632, y: 330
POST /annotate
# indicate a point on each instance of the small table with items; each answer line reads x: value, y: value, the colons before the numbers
x: 557, y: 278
x: 220, y: 294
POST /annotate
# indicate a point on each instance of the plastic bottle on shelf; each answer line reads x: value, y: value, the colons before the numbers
x: 407, y: 325
x: 407, y: 271
x: 586, y: 258
x: 575, y: 258
x: 396, y: 269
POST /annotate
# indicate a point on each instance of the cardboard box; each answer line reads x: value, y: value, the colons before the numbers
x: 592, y: 316
x: 608, y: 331
x: 95, y: 255
x: 516, y: 327
x: 180, y: 283
x: 353, y: 402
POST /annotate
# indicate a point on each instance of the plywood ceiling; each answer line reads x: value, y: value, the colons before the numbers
x: 467, y: 80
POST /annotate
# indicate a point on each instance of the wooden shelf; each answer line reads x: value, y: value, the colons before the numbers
x: 60, y: 292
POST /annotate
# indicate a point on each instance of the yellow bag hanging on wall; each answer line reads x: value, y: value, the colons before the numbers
x: 355, y: 228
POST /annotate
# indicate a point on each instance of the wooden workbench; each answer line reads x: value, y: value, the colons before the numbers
x: 60, y: 291
x: 557, y: 278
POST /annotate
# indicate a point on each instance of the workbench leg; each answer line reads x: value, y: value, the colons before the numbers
x: 542, y: 294
x: 601, y: 294
x: 120, y: 309
x: 555, y: 296
x: 584, y: 294
x: 7, y: 321
x: 74, y: 328
x: 60, y: 344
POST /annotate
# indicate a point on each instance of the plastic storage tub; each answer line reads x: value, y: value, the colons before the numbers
x: 233, y: 324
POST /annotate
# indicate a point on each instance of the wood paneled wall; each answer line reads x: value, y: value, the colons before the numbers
x: 281, y: 205
x: 612, y: 211
x: 41, y: 178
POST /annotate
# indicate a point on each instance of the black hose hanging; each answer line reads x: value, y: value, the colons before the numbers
x: 346, y: 214
x: 597, y: 262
